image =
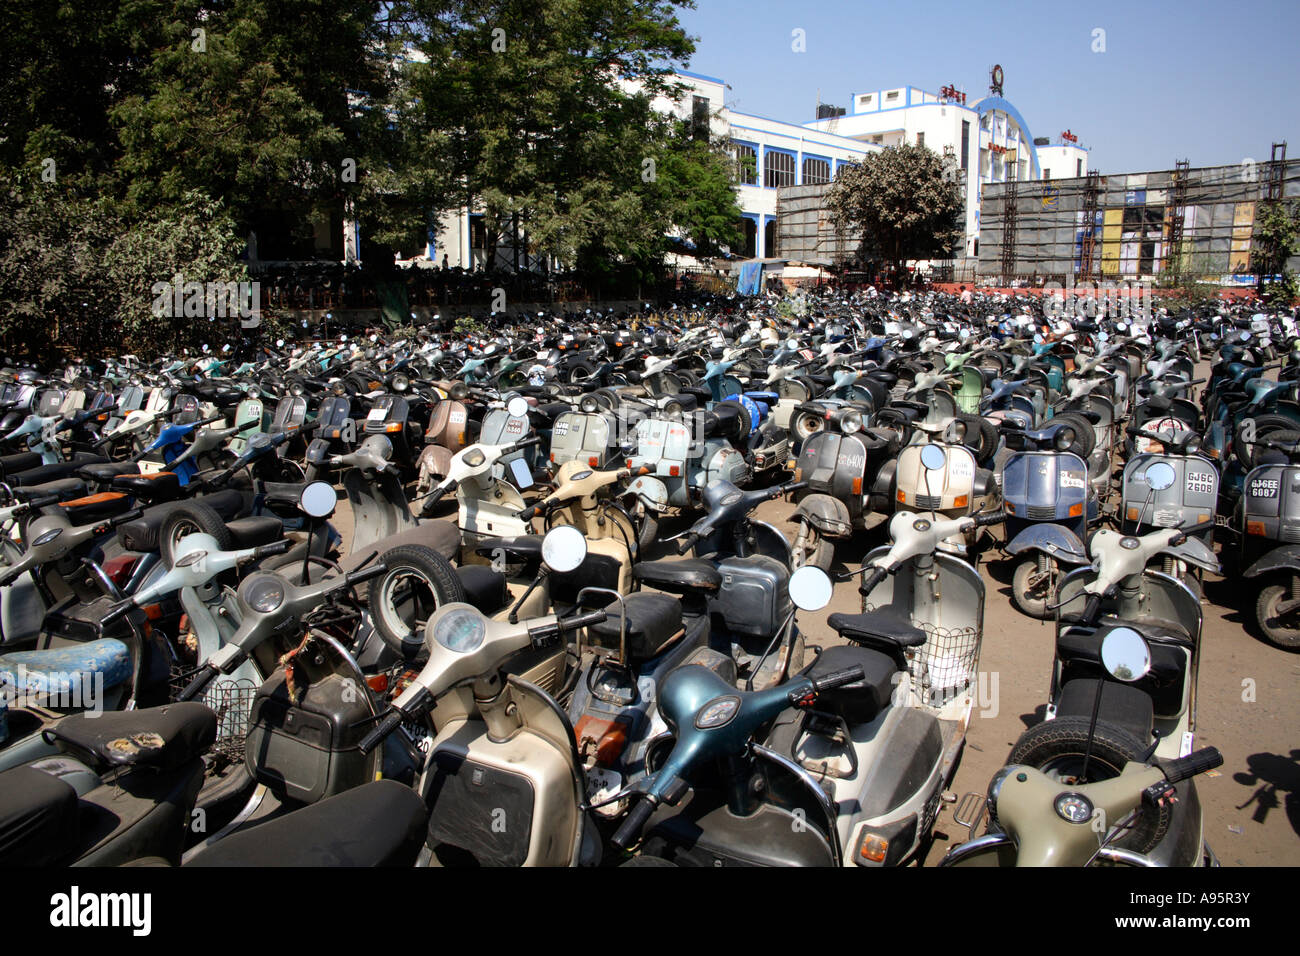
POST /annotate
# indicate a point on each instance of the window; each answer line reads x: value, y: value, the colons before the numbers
x: 892, y: 95
x: 749, y: 229
x: 816, y: 171
x: 865, y: 100
x: 700, y: 117
x: 1047, y: 174
x: 746, y: 164
x: 778, y: 169
x: 920, y: 139
x: 965, y: 143
x: 1078, y: 167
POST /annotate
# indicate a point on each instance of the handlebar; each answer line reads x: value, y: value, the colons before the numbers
x: 1201, y: 761
x: 119, y: 610
x: 688, y: 542
x: 365, y: 574
x: 838, y: 678
x: 201, y: 680
x: 390, y: 722
x: 275, y: 547
x: 989, y: 518
x: 629, y: 831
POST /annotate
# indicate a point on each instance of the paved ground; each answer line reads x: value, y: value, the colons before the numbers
x: 1247, y: 707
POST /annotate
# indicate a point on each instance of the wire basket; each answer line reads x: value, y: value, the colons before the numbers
x: 231, y: 700
x: 945, y: 664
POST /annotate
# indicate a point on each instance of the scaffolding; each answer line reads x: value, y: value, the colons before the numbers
x: 1183, y: 223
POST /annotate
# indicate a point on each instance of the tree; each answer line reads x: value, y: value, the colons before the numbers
x: 1276, y: 239
x: 899, y: 204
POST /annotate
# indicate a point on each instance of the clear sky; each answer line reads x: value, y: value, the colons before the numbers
x: 1209, y: 81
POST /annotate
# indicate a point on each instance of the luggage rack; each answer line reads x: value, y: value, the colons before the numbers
x: 945, y: 663
x: 231, y: 700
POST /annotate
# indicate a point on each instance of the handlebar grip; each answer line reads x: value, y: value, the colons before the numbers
x: 688, y: 542
x: 525, y: 442
x: 792, y: 486
x: 365, y: 574
x: 629, y: 831
x: 871, y: 580
x: 990, y: 518
x: 839, y: 678
x: 582, y: 620
x: 118, y: 611
x: 1092, y: 609
x: 433, y: 497
x: 34, y: 503
x: 201, y: 680
x: 1207, y: 758
x: 391, y: 721
x: 528, y: 514
x: 275, y: 547
x: 126, y: 516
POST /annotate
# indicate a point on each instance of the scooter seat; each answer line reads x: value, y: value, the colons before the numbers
x: 97, y: 507
x: 679, y: 577
x: 861, y: 701
x: 19, y: 461
x: 283, y: 494
x: 524, y: 547
x: 71, y: 672
x: 653, y: 622
x: 153, y: 488
x: 485, y: 589
x: 885, y: 624
x: 65, y: 488
x: 377, y: 824
x: 888, y: 379
x: 105, y: 472
x: 164, y: 738
x: 255, y: 531
x: 684, y: 399
x: 39, y: 817
x: 142, y: 533
x: 62, y: 469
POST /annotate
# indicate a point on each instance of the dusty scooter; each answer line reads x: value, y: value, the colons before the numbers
x: 1033, y: 822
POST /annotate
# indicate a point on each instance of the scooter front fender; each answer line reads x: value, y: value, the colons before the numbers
x: 1056, y: 542
x: 828, y: 515
x: 650, y: 491
x: 1284, y: 558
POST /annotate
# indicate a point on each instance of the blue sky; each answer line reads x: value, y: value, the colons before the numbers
x: 1210, y: 82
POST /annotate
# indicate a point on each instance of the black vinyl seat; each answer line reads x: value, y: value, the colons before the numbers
x: 102, y: 473
x: 65, y: 488
x: 154, y: 488
x: 377, y: 824
x: 255, y: 531
x: 485, y: 589
x: 43, y: 473
x: 679, y: 577
x: 886, y: 625
x: 861, y: 701
x: 19, y: 461
x: 38, y: 818
x: 142, y: 533
x: 164, y: 738
x: 653, y: 622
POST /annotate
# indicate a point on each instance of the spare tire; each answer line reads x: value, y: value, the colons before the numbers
x: 1273, y: 427
x: 193, y: 518
x: 417, y: 582
x: 981, y: 437
x: 1085, y: 437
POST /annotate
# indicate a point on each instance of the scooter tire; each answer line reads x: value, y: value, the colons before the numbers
x: 192, y: 518
x: 1060, y: 744
x: 648, y: 536
x: 438, y: 580
x: 1034, y: 607
x: 1287, y: 638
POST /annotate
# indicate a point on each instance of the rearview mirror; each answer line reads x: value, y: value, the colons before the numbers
x: 517, y: 407
x: 1125, y: 655
x: 318, y: 499
x: 810, y: 588
x: 1160, y: 475
x: 564, y: 548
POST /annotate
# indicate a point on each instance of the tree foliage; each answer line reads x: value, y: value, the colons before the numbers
x: 898, y: 203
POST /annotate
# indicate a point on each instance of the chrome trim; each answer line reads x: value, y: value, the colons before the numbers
x: 971, y: 847
x: 1117, y: 855
x: 832, y: 816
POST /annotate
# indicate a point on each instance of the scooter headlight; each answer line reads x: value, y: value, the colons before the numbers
x: 47, y: 537
x: 851, y: 422
x: 460, y: 631
x: 1065, y: 438
x: 401, y: 383
x: 955, y: 433
x: 588, y: 404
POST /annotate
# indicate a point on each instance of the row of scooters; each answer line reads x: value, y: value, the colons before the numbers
x: 559, y: 698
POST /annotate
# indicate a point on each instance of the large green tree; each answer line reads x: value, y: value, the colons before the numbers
x: 899, y: 204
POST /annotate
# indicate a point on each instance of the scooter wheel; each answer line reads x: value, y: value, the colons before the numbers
x: 1035, y: 601
x: 1056, y: 747
x: 1283, y: 632
x: 194, y: 518
x: 417, y: 582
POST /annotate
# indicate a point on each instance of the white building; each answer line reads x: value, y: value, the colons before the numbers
x: 988, y: 140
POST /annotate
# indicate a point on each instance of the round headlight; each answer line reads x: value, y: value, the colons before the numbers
x: 401, y: 383
x: 460, y: 631
x: 1073, y: 808
x: 851, y: 423
x: 589, y: 404
x: 264, y: 593
x: 955, y: 433
x: 717, y: 712
x: 185, y: 560
x: 1065, y: 438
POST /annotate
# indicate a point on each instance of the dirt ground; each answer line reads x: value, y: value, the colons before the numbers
x: 1246, y: 705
